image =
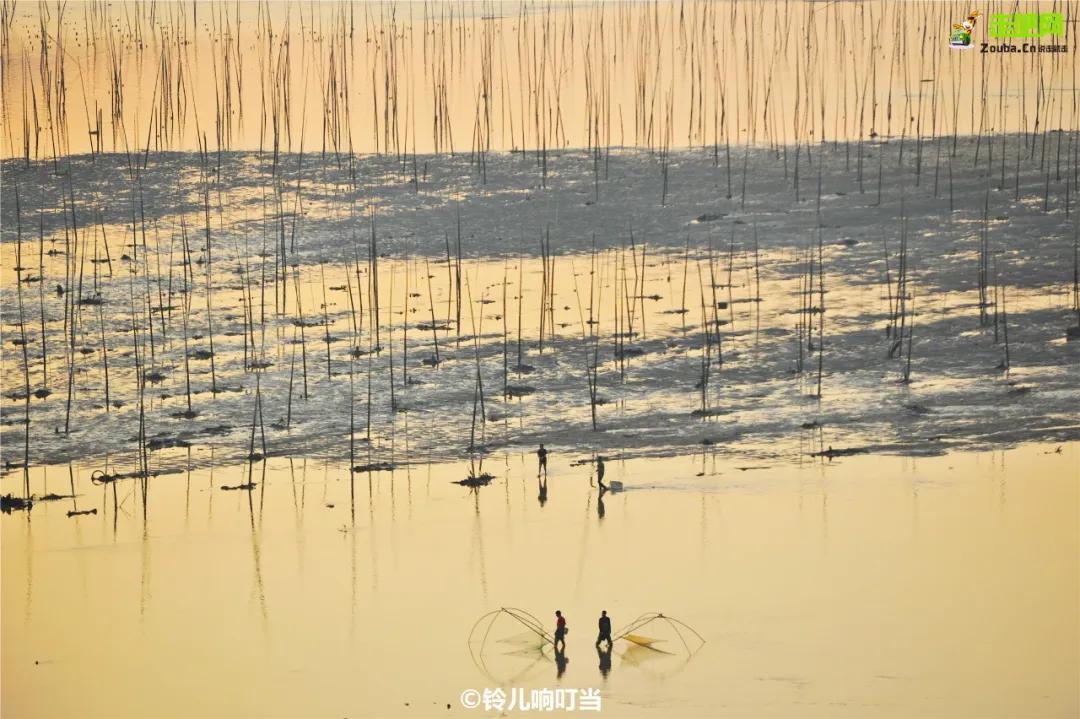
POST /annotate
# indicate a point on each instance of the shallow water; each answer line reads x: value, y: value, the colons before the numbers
x: 864, y: 586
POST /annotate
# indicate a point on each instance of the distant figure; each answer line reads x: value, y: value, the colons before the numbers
x: 542, y: 496
x: 605, y: 660
x: 541, y: 455
x: 605, y: 630
x: 560, y: 631
x: 614, y: 486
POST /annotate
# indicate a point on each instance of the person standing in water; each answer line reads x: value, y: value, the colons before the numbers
x: 560, y: 631
x: 541, y: 455
x: 600, y: 474
x: 605, y: 630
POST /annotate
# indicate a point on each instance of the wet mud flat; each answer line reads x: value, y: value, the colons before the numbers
x: 896, y: 312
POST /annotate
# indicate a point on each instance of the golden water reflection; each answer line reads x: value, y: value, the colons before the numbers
x: 866, y: 586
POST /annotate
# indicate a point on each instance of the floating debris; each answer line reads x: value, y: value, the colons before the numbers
x: 478, y: 480
x: 101, y: 477
x: 52, y: 497
x: 375, y: 467
x: 80, y: 512
x: 10, y: 503
x: 845, y: 452
x: 246, y: 485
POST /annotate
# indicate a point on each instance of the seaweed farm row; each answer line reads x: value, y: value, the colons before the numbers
x: 278, y: 307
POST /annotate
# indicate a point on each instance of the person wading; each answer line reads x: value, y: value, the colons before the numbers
x: 560, y: 631
x: 605, y: 630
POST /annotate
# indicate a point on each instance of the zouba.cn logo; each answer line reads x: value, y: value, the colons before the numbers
x: 960, y: 36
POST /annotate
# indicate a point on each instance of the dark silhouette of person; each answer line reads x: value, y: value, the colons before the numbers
x: 605, y: 630
x: 542, y: 496
x: 541, y: 455
x: 600, y: 473
x: 605, y: 660
x: 560, y: 662
x: 560, y: 631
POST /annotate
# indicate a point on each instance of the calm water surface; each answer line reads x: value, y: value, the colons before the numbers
x: 868, y: 586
